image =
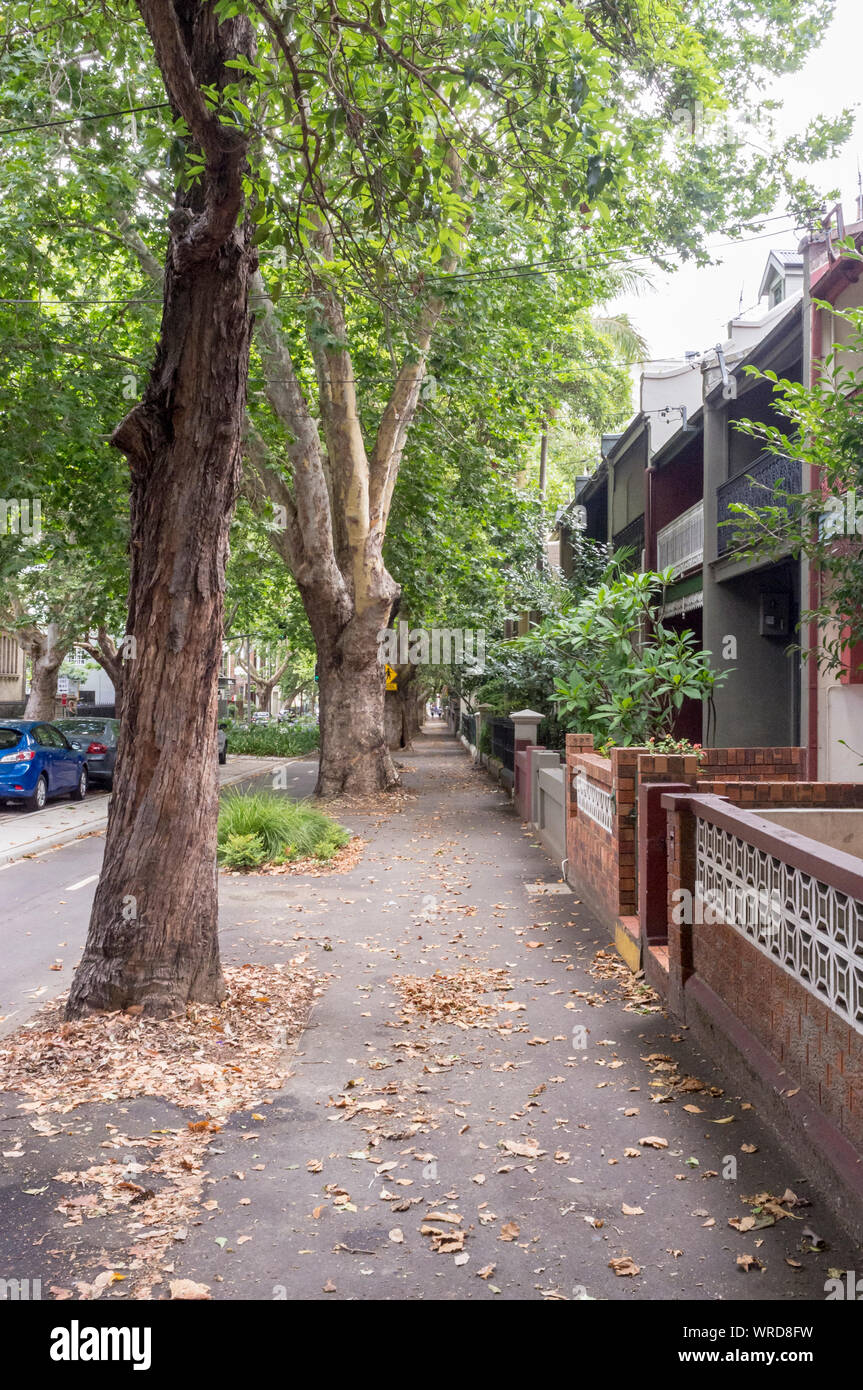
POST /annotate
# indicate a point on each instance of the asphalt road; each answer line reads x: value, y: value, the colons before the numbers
x: 12, y: 812
x: 45, y: 906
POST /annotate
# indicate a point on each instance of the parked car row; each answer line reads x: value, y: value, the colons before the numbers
x: 39, y: 760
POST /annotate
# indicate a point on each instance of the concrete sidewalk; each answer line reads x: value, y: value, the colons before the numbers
x: 23, y: 832
x: 554, y: 1150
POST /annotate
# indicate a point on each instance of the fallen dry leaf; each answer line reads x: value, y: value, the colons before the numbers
x: 187, y: 1288
x: 747, y: 1262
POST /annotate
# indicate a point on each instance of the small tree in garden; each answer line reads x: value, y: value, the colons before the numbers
x: 627, y: 675
x: 605, y: 663
x: 522, y: 670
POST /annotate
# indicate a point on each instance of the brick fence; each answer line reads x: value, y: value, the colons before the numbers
x: 774, y: 988
x: 613, y: 842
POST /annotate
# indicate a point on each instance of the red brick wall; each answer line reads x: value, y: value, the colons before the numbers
x: 592, y: 854
x: 820, y: 1052
x: 602, y: 868
x: 753, y: 764
x: 751, y: 794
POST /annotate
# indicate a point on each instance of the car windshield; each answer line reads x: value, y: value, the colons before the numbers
x: 10, y: 738
x: 81, y: 726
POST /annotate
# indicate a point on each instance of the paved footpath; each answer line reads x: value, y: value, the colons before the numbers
x: 532, y: 1140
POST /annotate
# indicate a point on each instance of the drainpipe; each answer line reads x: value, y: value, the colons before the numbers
x: 649, y: 529
x: 816, y: 356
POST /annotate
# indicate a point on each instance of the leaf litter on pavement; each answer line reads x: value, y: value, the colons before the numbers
x: 214, y: 1061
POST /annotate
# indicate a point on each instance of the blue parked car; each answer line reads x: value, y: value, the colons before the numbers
x: 37, y: 761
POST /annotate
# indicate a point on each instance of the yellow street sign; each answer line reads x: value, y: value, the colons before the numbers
x: 392, y: 684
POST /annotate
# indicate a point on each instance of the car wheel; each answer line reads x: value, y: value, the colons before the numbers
x: 36, y: 802
x: 81, y: 790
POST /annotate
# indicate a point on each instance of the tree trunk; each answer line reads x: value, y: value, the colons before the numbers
x: 153, y: 937
x: 403, y: 722
x: 355, y: 759
x: 103, y: 650
x: 47, y: 655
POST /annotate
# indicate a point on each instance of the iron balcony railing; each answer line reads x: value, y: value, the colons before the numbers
x: 680, y: 544
x: 468, y: 727
x: 503, y: 742
x: 754, y: 488
x: 632, y: 538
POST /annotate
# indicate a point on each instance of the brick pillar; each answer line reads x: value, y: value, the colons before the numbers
x: 579, y: 743
x: 653, y: 859
x: 526, y: 722
x: 624, y: 771
x: 682, y: 873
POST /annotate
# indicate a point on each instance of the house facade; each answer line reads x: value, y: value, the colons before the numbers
x: 13, y: 672
x: 665, y: 488
x: 834, y: 702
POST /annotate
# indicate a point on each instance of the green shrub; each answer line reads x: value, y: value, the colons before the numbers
x: 286, y: 830
x: 331, y: 843
x: 242, y: 852
x: 274, y: 740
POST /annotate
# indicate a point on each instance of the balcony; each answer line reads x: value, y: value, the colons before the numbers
x: 632, y: 538
x: 680, y: 544
x: 754, y: 487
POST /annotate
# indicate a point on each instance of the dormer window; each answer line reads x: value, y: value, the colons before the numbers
x: 782, y: 278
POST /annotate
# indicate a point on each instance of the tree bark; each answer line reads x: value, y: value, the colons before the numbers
x: 354, y: 759
x: 404, y: 722
x: 104, y: 650
x: 153, y: 937
x: 335, y: 493
x: 47, y: 653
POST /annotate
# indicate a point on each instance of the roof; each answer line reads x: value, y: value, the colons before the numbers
x: 777, y: 263
x: 788, y: 323
x: 679, y: 440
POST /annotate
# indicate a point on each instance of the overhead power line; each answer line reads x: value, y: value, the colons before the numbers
x: 511, y: 272
x: 96, y: 116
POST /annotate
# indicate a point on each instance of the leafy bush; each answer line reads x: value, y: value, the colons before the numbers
x: 604, y: 665
x: 274, y: 740
x: 625, y: 674
x: 285, y: 830
x: 242, y: 852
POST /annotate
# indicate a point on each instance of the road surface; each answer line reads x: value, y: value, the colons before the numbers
x: 45, y: 903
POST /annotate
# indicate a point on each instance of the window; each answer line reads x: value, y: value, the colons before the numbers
x: 9, y: 662
x: 42, y: 735
x: 10, y: 738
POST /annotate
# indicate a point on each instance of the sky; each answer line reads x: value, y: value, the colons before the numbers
x: 690, y: 308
